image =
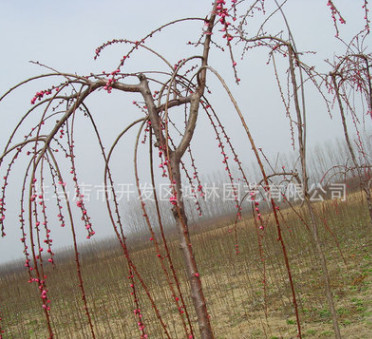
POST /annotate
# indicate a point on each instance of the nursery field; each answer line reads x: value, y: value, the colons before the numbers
x: 248, y: 294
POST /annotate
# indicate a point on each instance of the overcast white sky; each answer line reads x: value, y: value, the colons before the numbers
x: 64, y: 35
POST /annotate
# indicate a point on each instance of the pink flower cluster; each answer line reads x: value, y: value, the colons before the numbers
x: 43, y: 291
x: 2, y: 210
x: 173, y: 199
x: 39, y: 95
x: 257, y: 209
x: 334, y: 14
x: 111, y: 81
x: 163, y: 162
x: 178, y: 63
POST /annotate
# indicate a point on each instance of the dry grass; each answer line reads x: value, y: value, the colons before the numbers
x: 233, y: 285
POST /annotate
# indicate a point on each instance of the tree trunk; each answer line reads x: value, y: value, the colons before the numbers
x: 193, y: 274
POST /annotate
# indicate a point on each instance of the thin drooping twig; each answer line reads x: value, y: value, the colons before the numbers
x: 272, y: 202
x: 339, y: 79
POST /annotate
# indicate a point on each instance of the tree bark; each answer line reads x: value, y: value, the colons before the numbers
x: 193, y: 274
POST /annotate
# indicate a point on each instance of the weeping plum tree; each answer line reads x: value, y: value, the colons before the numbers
x: 164, y: 94
x: 350, y: 81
